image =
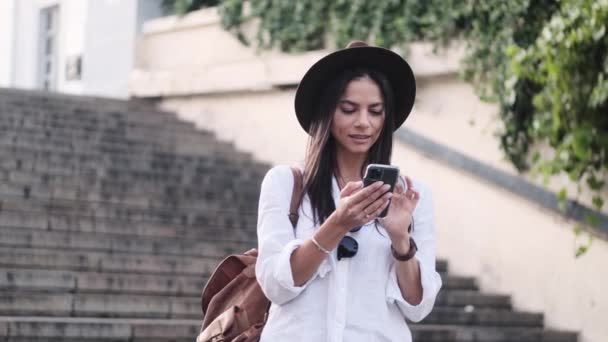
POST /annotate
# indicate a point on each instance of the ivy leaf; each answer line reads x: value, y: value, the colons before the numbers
x: 562, y: 197
x: 592, y: 219
x: 597, y: 35
x: 598, y: 202
x: 594, y: 183
x: 581, y: 250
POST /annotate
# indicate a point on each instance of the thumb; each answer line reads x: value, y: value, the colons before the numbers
x: 350, y: 188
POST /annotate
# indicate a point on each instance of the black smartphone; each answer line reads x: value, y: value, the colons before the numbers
x: 385, y: 173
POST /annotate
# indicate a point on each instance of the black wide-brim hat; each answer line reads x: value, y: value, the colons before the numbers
x: 356, y: 54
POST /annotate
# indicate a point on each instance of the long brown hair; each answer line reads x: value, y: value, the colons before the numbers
x: 320, y: 160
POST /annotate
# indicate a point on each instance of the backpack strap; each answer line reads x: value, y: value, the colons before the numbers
x: 296, y: 196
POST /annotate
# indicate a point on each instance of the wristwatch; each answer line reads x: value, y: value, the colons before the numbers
x: 410, y: 254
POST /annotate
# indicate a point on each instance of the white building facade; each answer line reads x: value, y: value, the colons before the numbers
x: 72, y: 46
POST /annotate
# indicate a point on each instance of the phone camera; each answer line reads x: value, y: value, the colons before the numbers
x: 375, y: 174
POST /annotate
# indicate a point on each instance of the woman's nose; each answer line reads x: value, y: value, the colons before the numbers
x: 362, y: 119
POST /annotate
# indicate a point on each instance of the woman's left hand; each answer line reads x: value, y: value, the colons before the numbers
x: 400, y: 211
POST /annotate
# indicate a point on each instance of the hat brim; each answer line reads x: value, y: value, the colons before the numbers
x: 390, y: 64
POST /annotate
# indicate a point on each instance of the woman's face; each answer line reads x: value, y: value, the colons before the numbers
x: 359, y: 117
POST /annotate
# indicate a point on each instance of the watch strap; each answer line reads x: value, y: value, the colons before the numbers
x: 409, y: 255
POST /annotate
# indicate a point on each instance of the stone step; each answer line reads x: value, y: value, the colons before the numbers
x: 483, y: 316
x: 36, y: 329
x: 194, y: 147
x: 61, y: 111
x: 131, y: 229
x: 216, y: 201
x: 25, y: 303
x: 453, y: 282
x: 69, y: 329
x: 99, y: 124
x: 166, y: 197
x: 149, y: 184
x: 19, y: 212
x: 469, y: 300
x: 163, y: 134
x: 98, y: 105
x: 65, y: 281
x: 64, y: 329
x: 95, y: 242
x: 46, y: 99
x: 83, y: 241
x: 148, y: 160
x: 118, y: 262
x: 111, y: 170
x: 180, y: 153
x: 106, y: 243
x: 161, y: 137
x: 225, y: 227
x: 202, y: 176
x: 138, y: 282
x: 135, y: 189
x: 91, y: 180
x: 149, y: 167
x: 28, y: 118
x: 229, y: 227
x: 144, y: 187
x: 79, y: 111
x: 442, y: 265
x: 211, y: 186
x: 459, y: 333
x: 50, y: 100
x: 134, y: 136
x: 106, y: 261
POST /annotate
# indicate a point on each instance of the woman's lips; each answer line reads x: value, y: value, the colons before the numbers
x: 360, y: 138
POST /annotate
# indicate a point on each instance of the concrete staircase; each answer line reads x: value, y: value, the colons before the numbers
x: 113, y: 214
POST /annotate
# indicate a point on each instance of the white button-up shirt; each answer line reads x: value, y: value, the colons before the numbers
x: 352, y: 299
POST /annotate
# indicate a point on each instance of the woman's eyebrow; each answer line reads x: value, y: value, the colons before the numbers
x: 349, y: 102
x: 356, y: 104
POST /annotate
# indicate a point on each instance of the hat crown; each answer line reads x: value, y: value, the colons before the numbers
x: 356, y: 43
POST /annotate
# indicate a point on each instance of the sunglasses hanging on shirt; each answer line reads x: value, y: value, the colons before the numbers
x: 348, y: 246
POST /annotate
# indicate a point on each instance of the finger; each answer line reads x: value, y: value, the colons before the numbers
x: 399, y: 188
x: 365, y: 192
x: 364, y: 201
x: 413, y: 195
x: 377, y: 204
x: 409, y: 183
x: 350, y: 188
x: 416, y: 195
x: 381, y: 209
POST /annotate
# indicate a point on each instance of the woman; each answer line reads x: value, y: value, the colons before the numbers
x: 349, y: 102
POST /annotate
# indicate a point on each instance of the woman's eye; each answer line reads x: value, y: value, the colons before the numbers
x: 348, y: 110
x: 375, y: 112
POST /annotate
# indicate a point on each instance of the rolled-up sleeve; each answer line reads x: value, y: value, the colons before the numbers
x: 424, y: 235
x: 276, y: 239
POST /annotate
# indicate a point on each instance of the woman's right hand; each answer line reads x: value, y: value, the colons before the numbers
x: 359, y: 205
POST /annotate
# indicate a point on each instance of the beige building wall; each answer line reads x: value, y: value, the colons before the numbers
x: 513, y: 246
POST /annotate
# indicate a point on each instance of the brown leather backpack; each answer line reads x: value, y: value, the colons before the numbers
x: 233, y: 303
